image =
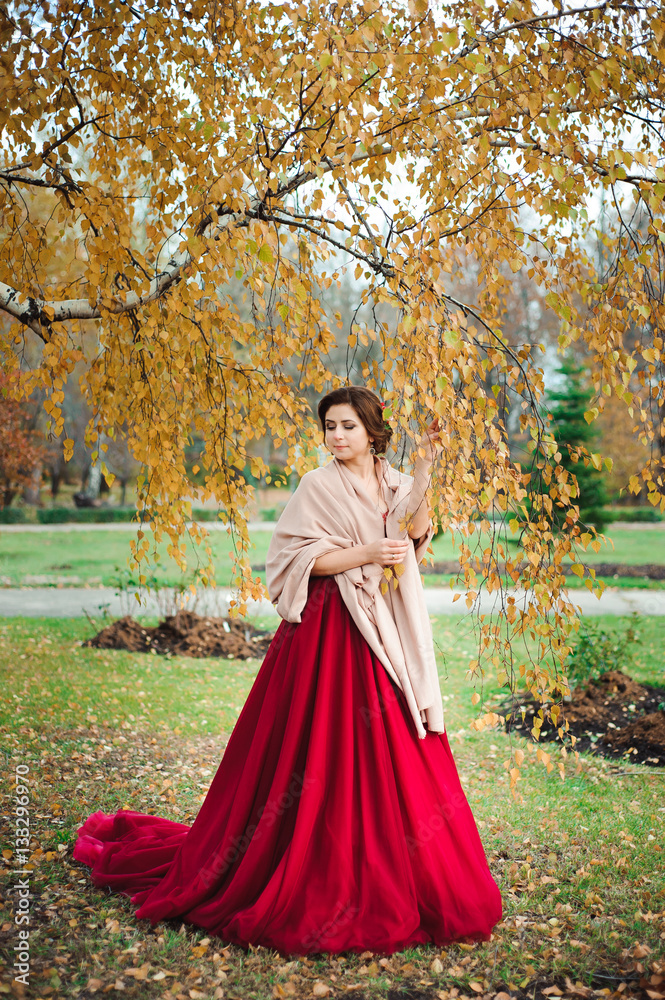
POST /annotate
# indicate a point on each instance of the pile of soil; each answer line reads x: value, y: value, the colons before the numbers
x: 186, y: 634
x: 613, y: 716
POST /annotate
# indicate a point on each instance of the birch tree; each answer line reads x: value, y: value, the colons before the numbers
x: 156, y: 152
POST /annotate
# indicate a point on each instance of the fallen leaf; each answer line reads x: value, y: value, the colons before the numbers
x: 436, y: 967
x: 577, y: 989
x: 138, y: 973
x: 320, y: 990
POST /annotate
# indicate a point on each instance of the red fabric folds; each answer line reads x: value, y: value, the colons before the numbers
x: 329, y: 825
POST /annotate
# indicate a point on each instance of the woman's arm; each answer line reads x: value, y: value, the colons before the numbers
x: 420, y: 517
x: 385, y: 551
x: 340, y: 560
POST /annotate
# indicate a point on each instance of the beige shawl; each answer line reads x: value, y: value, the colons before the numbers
x: 331, y: 509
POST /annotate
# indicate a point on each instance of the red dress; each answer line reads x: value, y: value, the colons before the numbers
x: 329, y: 825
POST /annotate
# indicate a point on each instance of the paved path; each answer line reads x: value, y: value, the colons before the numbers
x: 70, y: 602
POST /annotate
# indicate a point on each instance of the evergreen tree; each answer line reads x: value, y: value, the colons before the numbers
x: 567, y: 408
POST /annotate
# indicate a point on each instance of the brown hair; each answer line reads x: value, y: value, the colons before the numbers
x: 368, y: 407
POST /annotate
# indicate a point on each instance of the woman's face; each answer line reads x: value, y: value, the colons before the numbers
x: 345, y: 433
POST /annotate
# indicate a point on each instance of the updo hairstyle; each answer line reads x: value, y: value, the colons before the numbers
x: 368, y: 407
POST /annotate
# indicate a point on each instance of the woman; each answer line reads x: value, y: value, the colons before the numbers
x: 336, y: 820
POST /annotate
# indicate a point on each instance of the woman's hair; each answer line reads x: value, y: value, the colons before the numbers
x: 368, y: 407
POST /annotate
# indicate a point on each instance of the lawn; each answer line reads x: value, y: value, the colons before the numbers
x: 100, y: 556
x: 579, y: 861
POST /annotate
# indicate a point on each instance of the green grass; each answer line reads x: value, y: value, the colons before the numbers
x: 100, y: 556
x: 579, y: 861
x: 630, y: 545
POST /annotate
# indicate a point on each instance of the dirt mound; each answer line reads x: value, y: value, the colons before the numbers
x: 595, y: 704
x: 186, y: 634
x: 613, y: 716
x: 649, y: 731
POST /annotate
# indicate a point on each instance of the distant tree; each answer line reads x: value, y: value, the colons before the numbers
x: 122, y: 465
x: 22, y: 449
x: 620, y: 441
x: 148, y: 162
x: 576, y: 438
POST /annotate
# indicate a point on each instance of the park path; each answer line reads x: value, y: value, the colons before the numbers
x: 71, y: 602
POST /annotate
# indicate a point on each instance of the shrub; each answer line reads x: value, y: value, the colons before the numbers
x: 597, y: 651
x: 85, y: 515
x: 637, y: 515
x: 12, y: 515
x: 101, y: 515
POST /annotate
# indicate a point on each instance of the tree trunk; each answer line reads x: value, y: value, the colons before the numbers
x: 56, y: 479
x: 32, y: 489
x: 94, y: 481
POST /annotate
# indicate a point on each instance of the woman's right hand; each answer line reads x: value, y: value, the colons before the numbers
x: 388, y: 551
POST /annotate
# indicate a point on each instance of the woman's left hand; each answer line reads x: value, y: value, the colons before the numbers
x: 431, y: 440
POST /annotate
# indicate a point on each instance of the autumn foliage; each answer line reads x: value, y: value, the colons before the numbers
x: 157, y: 160
x: 22, y: 449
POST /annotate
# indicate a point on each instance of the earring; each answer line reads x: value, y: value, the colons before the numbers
x: 371, y: 450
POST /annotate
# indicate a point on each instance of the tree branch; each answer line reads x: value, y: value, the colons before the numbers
x: 39, y: 314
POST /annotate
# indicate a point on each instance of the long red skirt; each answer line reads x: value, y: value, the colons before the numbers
x: 329, y: 825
